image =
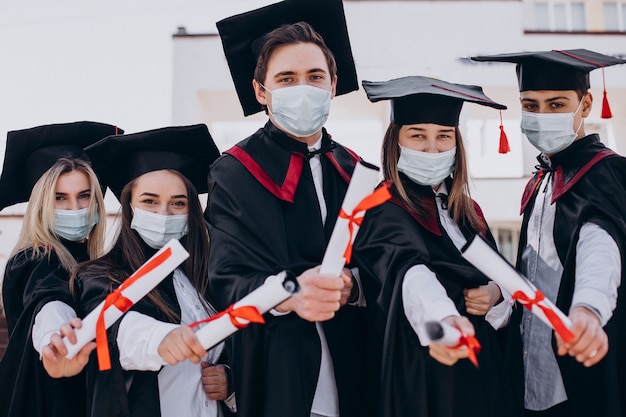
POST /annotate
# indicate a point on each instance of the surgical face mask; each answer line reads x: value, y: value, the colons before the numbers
x: 73, y: 225
x: 156, y: 230
x: 426, y: 168
x: 300, y: 110
x: 550, y: 132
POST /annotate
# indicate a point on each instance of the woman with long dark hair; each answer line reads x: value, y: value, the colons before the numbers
x: 408, y: 253
x: 156, y: 176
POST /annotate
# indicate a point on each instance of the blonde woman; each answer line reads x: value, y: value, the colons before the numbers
x: 63, y: 226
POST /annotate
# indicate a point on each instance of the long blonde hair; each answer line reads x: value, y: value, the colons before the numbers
x: 38, y: 226
x: 459, y: 199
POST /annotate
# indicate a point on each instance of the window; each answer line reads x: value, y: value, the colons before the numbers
x: 542, y: 16
x: 560, y: 16
x: 614, y: 16
x: 578, y: 17
x: 507, y: 239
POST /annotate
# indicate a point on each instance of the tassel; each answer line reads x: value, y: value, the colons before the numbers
x: 606, y: 109
x: 504, y: 141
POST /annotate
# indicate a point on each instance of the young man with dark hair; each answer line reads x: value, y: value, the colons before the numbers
x: 572, y: 241
x: 273, y: 202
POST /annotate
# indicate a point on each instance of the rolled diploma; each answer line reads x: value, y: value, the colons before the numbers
x: 264, y: 298
x: 134, y: 292
x: 443, y: 333
x: 495, y: 267
x: 363, y: 182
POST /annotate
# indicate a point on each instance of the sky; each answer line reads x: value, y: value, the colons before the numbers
x: 102, y: 60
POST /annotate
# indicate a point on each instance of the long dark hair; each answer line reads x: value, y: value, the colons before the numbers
x: 129, y: 251
x: 459, y: 199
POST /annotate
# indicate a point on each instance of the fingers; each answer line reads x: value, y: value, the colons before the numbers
x: 214, y: 381
x: 346, y: 290
x: 320, y: 296
x: 461, y: 323
x: 82, y: 357
x: 180, y: 344
x: 56, y: 343
x: 590, y: 343
x: 68, y: 331
x: 445, y: 355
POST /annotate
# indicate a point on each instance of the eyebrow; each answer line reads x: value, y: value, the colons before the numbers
x: 86, y: 190
x: 548, y: 99
x: 421, y: 129
x: 311, y: 71
x: 148, y: 194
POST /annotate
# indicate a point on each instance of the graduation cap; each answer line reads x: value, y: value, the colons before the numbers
x: 189, y: 150
x: 417, y: 99
x: 557, y: 70
x: 31, y: 152
x: 243, y: 37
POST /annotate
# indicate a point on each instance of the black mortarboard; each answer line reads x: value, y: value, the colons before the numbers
x: 31, y: 152
x: 242, y: 38
x: 556, y: 69
x: 418, y: 99
x: 189, y: 150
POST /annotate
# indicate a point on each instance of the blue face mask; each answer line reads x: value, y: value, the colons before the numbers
x: 426, y: 168
x: 156, y: 230
x: 300, y: 110
x: 74, y: 225
x: 550, y: 133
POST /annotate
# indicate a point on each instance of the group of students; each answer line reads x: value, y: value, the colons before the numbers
x: 350, y: 345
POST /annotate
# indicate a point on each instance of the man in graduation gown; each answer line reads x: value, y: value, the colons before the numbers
x: 572, y: 241
x: 273, y: 202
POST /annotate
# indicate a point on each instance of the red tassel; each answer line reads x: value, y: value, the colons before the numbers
x: 606, y: 109
x: 504, y: 141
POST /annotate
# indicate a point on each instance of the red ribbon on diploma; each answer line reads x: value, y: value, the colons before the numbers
x: 378, y: 197
x: 472, y: 344
x: 249, y: 313
x: 117, y: 299
x: 556, y: 322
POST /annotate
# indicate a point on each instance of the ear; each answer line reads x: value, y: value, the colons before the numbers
x: 259, y: 92
x: 587, y: 102
x: 333, y: 87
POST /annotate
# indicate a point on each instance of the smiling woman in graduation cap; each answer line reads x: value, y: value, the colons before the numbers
x: 572, y: 241
x: 63, y: 225
x: 156, y: 175
x: 407, y: 251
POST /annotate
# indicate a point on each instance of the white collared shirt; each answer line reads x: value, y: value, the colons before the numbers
x: 180, y: 386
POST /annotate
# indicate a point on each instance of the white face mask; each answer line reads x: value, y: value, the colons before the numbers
x: 550, y: 132
x: 426, y: 168
x: 300, y: 110
x: 73, y: 225
x: 156, y: 230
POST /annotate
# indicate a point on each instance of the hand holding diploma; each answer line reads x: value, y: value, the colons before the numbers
x: 452, y: 339
x: 180, y: 344
x: 590, y: 343
x: 319, y: 297
x: 54, y: 354
x: 249, y: 309
x: 133, y: 289
x: 495, y: 267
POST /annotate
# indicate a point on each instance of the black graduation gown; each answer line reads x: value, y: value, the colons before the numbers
x: 27, y: 389
x: 264, y: 217
x: 589, y: 186
x: 116, y: 392
x: 409, y: 382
